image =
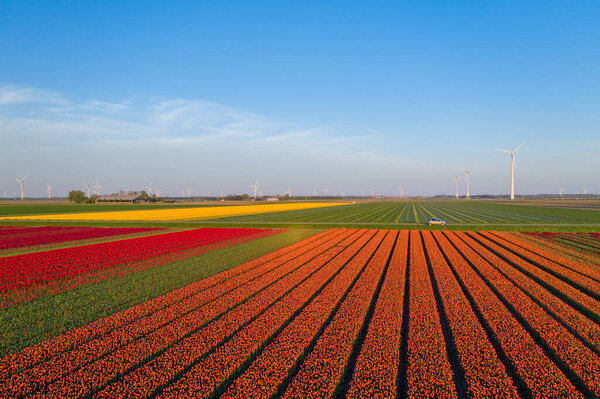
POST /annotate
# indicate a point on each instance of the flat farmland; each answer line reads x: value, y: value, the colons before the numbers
x: 461, y: 215
x: 337, y: 313
x: 416, y: 212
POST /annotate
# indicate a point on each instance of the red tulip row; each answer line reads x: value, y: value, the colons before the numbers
x: 271, y: 367
x: 573, y: 293
x: 201, y: 379
x: 571, y: 270
x: 161, y: 369
x: 228, y: 279
x: 484, y: 373
x: 9, y: 298
x: 196, y: 330
x: 578, y: 358
x: 537, y: 371
x: 57, y: 234
x: 39, y: 267
x: 429, y: 371
x: 377, y: 364
x: 10, y: 230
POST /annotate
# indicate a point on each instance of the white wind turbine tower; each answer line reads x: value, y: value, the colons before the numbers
x: 255, y: 187
x: 513, y: 163
x: 97, y: 187
x: 585, y: 190
x: 157, y: 192
x: 88, y: 189
x: 188, y: 191
x: 49, y: 190
x: 289, y: 191
x: 362, y: 192
x: 401, y: 191
x: 372, y: 193
x: 314, y: 193
x: 149, y: 189
x: 342, y: 192
x: 467, y: 177
x: 457, y: 178
x: 21, y: 184
x: 326, y: 191
x: 561, y: 191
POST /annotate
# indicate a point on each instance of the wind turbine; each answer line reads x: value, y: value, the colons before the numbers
x: 326, y: 191
x: 208, y: 194
x: 585, y: 190
x: 21, y: 183
x: 362, y: 192
x: 289, y: 191
x: 221, y: 193
x: 255, y: 187
x: 342, y: 192
x: 457, y: 178
x: 513, y: 163
x: 560, y: 191
x: 49, y: 190
x: 88, y: 189
x: 157, y: 192
x: 401, y: 191
x: 314, y: 193
x: 149, y: 188
x: 188, y: 191
x: 97, y: 187
x: 467, y: 177
x: 372, y: 193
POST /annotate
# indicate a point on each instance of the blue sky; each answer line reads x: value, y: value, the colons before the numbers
x: 303, y: 93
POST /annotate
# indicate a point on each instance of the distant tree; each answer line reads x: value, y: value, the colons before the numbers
x: 76, y: 196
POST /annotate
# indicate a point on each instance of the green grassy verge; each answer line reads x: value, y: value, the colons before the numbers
x: 29, y: 323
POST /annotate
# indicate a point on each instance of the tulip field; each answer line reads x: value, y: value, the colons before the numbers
x: 335, y: 313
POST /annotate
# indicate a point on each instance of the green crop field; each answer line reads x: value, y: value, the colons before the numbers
x: 417, y: 212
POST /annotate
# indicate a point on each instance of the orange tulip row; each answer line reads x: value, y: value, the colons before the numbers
x: 200, y: 380
x: 538, y: 372
x: 45, y: 350
x: 177, y: 313
x: 565, y: 288
x: 324, y: 366
x: 377, y: 364
x: 270, y: 369
x: 586, y: 328
x: 429, y: 371
x: 567, y: 242
x: 225, y: 312
x: 578, y: 358
x: 189, y: 351
x: 485, y: 374
x: 579, y: 274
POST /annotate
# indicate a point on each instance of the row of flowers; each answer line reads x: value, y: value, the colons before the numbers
x: 377, y: 365
x: 572, y: 353
x: 273, y: 364
x: 485, y: 374
x: 88, y: 366
x: 539, y: 374
x: 18, y: 238
x: 39, y: 267
x: 14, y: 363
x: 217, y: 366
x: 267, y: 291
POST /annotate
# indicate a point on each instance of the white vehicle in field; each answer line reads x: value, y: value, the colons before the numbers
x: 436, y: 221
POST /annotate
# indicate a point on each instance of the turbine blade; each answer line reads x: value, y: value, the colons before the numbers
x: 519, y: 146
x: 498, y: 149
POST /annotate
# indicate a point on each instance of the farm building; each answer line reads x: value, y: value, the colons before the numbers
x: 134, y: 198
